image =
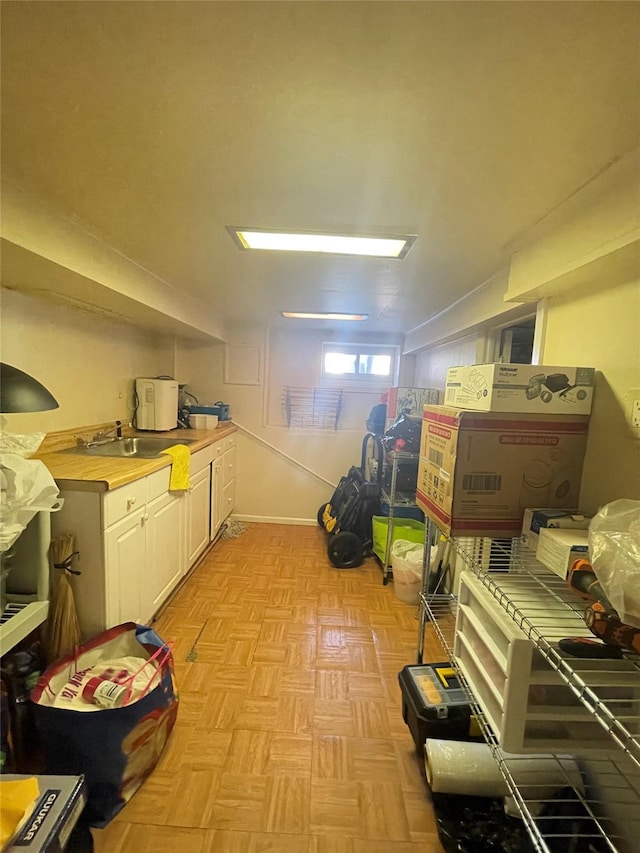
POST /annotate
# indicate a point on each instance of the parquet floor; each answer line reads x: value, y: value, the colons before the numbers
x: 290, y: 735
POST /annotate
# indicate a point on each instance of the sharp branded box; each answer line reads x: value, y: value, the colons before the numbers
x: 479, y: 470
x: 521, y: 388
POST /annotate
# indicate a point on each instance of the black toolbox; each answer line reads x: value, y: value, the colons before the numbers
x: 434, y: 705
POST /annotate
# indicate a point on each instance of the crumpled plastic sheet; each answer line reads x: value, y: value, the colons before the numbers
x: 26, y: 488
x: 614, y: 547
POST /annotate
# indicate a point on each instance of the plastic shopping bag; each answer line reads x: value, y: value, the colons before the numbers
x: 115, y: 747
x: 614, y: 547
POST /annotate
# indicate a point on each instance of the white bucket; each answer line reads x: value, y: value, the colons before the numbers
x: 406, y: 564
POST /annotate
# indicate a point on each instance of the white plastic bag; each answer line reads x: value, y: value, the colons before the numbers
x: 409, y: 552
x: 406, y: 564
x: 24, y: 445
x: 26, y: 488
x: 614, y: 546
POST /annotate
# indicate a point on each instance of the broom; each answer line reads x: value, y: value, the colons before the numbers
x: 63, y: 627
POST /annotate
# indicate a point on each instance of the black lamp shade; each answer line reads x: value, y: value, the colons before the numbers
x: 20, y: 392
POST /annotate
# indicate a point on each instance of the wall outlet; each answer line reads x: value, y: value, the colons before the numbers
x: 633, y: 410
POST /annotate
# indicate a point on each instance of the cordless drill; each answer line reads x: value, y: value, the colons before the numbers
x: 600, y: 616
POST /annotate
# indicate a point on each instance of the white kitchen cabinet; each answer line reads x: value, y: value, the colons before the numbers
x: 228, y: 475
x: 216, y: 496
x: 132, y: 550
x: 199, y: 512
x: 125, y: 555
x: 136, y: 542
x: 223, y: 482
x: 165, y: 560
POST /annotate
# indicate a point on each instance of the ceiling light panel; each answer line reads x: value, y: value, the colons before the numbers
x: 333, y: 244
x: 302, y: 315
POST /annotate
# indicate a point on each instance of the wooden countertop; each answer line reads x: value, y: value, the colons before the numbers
x: 103, y: 473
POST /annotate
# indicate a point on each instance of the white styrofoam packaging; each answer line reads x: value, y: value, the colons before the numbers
x: 409, y: 401
x: 559, y: 549
x: 524, y: 388
x: 535, y: 518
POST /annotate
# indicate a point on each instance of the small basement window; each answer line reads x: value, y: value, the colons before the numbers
x: 365, y: 364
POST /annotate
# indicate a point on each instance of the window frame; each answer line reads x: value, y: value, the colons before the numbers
x: 361, y: 381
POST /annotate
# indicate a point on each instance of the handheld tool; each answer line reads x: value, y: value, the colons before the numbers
x: 600, y: 616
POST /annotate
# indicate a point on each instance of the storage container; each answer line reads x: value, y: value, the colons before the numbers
x: 221, y: 410
x: 403, y: 528
x: 434, y: 705
x: 527, y: 704
x: 406, y: 565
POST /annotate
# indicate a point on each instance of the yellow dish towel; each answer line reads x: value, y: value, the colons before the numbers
x: 180, y: 455
x: 18, y: 799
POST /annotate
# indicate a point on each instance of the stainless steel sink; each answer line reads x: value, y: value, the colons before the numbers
x: 129, y: 447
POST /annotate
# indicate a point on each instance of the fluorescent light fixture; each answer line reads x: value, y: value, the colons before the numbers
x: 332, y: 244
x: 306, y: 315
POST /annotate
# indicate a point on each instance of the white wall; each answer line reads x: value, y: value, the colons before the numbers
x: 432, y: 364
x: 86, y: 361
x: 584, y: 257
x: 601, y: 329
x: 270, y: 486
x: 595, y: 326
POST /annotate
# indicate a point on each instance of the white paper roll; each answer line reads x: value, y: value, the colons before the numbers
x: 462, y: 767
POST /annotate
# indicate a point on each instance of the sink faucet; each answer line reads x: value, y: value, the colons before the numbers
x: 103, y: 436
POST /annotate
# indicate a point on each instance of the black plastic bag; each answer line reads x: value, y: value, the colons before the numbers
x: 478, y: 825
x: 403, y: 435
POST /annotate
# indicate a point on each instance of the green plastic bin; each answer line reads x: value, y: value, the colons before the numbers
x: 403, y: 528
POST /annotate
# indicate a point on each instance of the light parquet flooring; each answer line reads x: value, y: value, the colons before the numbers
x: 289, y: 735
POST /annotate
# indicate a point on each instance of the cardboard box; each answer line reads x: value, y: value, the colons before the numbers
x: 534, y: 519
x: 479, y: 470
x: 521, y: 388
x: 411, y: 401
x: 559, y: 549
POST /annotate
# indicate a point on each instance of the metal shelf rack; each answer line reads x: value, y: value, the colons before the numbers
x: 605, y: 809
x: 396, y: 499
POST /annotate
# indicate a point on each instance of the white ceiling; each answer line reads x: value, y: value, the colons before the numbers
x: 154, y: 125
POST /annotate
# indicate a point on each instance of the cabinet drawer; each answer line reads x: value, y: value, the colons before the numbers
x: 228, y: 442
x: 158, y: 483
x: 124, y: 501
x: 229, y: 466
x: 201, y: 459
x: 199, y: 477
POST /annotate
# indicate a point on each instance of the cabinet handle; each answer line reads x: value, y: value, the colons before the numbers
x: 144, y: 518
x: 131, y: 502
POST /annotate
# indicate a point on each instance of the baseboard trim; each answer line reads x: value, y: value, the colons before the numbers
x: 268, y: 519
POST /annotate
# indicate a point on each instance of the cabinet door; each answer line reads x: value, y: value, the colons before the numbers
x: 199, y: 503
x: 125, y: 561
x: 216, y: 496
x: 165, y: 550
x: 228, y: 477
x: 228, y: 498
